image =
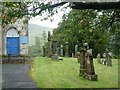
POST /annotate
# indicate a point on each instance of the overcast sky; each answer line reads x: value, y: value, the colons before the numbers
x: 47, y: 23
x: 56, y: 18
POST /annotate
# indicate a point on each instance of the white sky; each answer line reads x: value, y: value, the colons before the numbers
x: 57, y: 18
x: 47, y: 23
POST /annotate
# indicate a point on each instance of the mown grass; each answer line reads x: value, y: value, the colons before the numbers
x: 48, y: 73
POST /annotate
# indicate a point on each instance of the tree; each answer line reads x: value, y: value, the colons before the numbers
x: 90, y: 26
x: 11, y: 11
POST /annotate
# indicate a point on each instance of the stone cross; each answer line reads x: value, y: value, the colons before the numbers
x: 76, y: 50
x: 98, y: 58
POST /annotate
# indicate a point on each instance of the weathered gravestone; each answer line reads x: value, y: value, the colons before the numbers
x: 86, y: 63
x: 98, y: 58
x: 72, y: 55
x: 76, y: 50
x: 78, y: 57
x: 104, y: 60
x: 108, y: 58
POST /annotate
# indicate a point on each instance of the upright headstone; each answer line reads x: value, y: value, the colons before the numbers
x: 104, y: 59
x: 61, y: 50
x: 78, y: 57
x: 108, y: 58
x: 98, y: 58
x: 49, y: 44
x: 72, y: 55
x: 81, y: 60
x: 86, y: 61
x: 66, y: 50
x: 76, y: 50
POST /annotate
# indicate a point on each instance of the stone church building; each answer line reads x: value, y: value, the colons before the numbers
x: 14, y: 38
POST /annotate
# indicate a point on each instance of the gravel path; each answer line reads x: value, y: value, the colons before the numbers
x: 16, y: 76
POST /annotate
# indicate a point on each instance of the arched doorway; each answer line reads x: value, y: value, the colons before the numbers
x: 12, y: 42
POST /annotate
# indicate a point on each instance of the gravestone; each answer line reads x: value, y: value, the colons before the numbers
x: 61, y: 50
x: 76, y: 50
x: 78, y: 57
x: 86, y: 63
x: 98, y: 58
x: 66, y: 50
x: 108, y: 58
x: 104, y: 59
x: 72, y: 55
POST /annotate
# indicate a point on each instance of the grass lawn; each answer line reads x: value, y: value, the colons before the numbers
x: 49, y: 73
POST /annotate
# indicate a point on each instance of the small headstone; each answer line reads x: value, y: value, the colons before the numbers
x: 108, y: 58
x: 78, y: 57
x: 104, y: 60
x: 76, y: 50
x: 72, y: 55
x: 98, y: 58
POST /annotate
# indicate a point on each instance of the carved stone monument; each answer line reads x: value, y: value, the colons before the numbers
x: 86, y: 63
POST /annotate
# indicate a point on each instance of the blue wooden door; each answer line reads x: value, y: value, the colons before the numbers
x: 12, y: 45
